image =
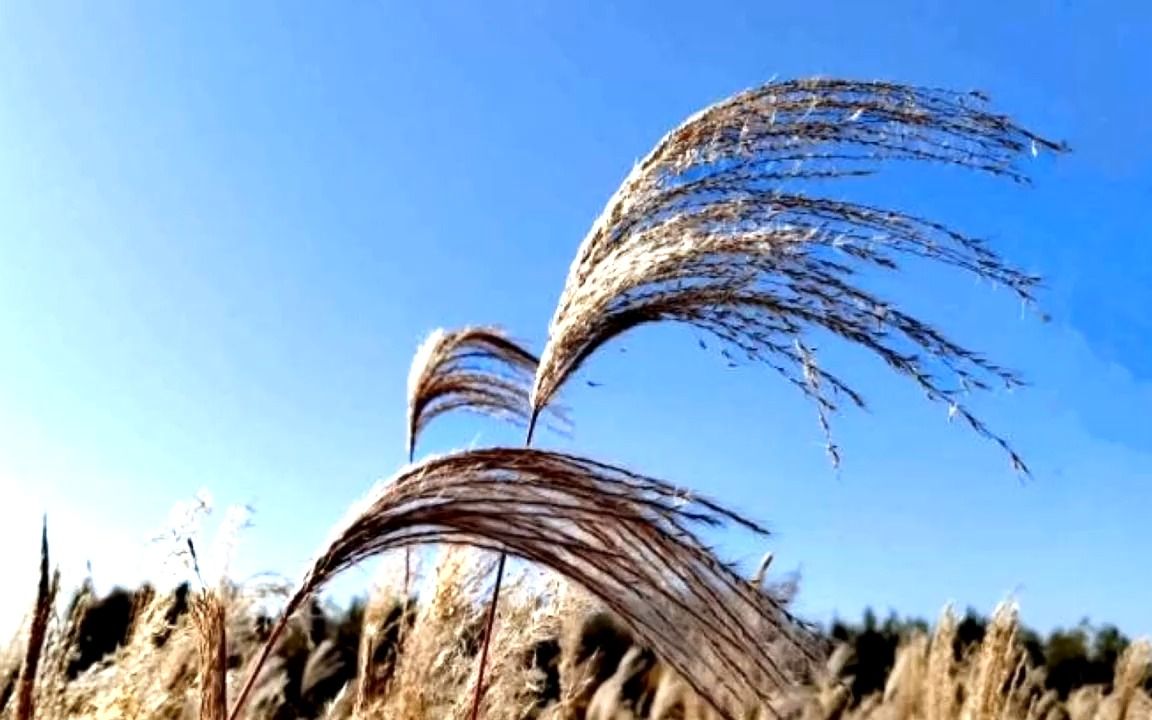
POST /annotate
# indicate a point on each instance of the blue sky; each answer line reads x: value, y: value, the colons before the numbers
x: 224, y: 229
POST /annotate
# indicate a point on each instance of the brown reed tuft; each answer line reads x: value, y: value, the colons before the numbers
x: 476, y: 369
x: 45, y: 598
x: 625, y: 538
x: 716, y: 228
x: 208, y: 618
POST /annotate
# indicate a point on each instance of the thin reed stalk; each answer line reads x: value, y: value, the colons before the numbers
x: 489, y: 625
x: 490, y: 621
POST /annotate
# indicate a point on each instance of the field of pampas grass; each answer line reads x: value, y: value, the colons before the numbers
x: 728, y: 225
x: 557, y: 653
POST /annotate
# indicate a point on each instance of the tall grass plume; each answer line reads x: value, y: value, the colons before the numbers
x: 718, y: 227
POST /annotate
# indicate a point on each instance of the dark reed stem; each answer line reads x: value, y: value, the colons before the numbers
x: 491, y: 621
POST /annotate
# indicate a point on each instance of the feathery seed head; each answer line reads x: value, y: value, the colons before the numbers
x: 714, y: 229
x: 478, y: 369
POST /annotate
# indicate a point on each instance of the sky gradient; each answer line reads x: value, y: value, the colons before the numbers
x: 224, y: 230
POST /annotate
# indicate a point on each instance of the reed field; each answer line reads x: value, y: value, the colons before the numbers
x: 737, y: 225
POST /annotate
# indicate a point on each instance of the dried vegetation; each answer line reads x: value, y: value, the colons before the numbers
x: 718, y: 227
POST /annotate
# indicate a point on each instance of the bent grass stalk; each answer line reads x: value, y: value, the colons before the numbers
x: 627, y: 539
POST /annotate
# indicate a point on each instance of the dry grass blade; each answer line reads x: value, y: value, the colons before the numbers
x: 716, y: 228
x: 45, y: 597
x: 208, y: 617
x: 625, y: 538
x: 476, y: 369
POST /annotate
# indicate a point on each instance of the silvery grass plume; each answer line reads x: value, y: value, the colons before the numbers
x: 475, y: 369
x: 714, y: 229
x: 625, y: 538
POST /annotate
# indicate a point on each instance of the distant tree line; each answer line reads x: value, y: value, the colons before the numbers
x: 1072, y: 657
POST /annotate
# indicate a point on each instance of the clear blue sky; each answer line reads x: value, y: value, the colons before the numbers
x: 225, y: 227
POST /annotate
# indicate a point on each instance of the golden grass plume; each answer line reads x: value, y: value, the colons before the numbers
x: 994, y: 666
x: 715, y: 228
